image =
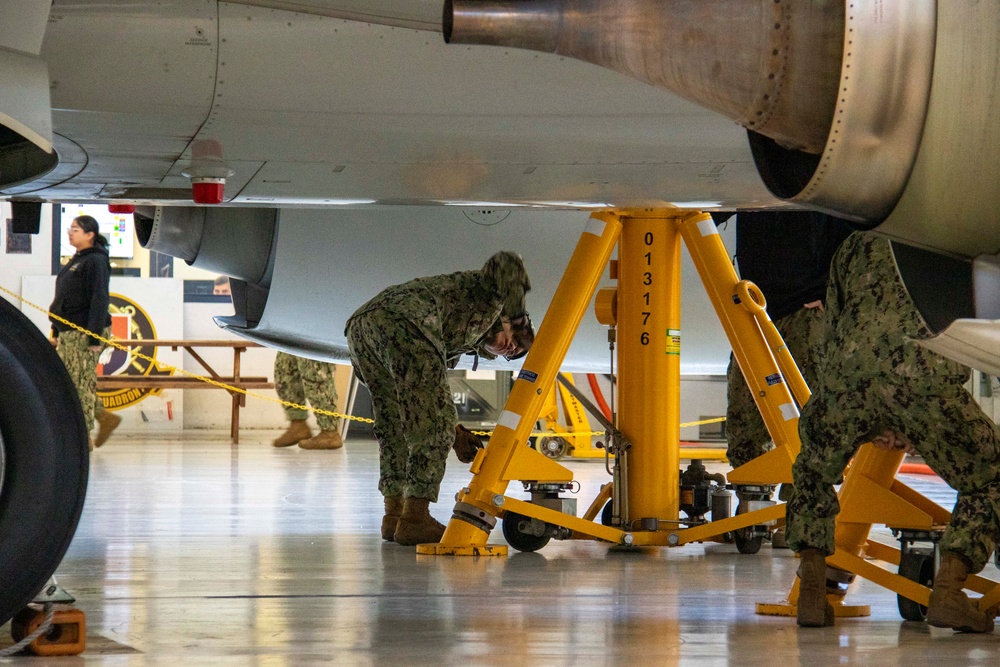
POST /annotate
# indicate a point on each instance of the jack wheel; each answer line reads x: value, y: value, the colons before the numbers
x: 746, y: 545
x: 553, y: 447
x: 515, y: 538
x: 918, y: 568
x: 607, y: 513
x: 43, y: 460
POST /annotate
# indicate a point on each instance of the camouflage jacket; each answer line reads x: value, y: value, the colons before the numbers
x: 457, y: 311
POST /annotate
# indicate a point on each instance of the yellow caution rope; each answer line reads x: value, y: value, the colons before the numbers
x: 208, y: 380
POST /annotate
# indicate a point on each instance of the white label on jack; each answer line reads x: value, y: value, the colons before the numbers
x: 707, y: 227
x: 595, y: 227
x: 509, y: 419
x: 789, y: 411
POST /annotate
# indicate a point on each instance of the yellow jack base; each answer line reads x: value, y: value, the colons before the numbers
x: 840, y: 610
x: 497, y: 550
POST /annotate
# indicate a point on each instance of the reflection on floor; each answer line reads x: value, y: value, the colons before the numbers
x: 194, y: 552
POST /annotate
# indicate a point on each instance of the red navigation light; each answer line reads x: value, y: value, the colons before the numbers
x: 121, y: 208
x: 207, y: 190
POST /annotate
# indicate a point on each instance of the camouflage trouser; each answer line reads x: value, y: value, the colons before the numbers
x: 81, y: 362
x: 414, y: 413
x: 945, y: 426
x: 746, y: 435
x: 297, y: 379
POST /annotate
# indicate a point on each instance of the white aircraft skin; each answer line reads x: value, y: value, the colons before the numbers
x: 314, y: 110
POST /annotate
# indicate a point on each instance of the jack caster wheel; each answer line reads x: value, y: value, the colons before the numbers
x: 746, y: 545
x: 918, y: 568
x: 520, y: 540
x: 745, y: 542
x: 608, y: 513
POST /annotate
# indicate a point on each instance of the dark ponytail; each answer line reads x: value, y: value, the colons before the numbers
x: 89, y: 226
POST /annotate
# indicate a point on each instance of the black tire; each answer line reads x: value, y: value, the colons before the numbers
x: 608, y: 513
x: 918, y: 568
x: 43, y: 460
x: 515, y: 538
x: 744, y: 545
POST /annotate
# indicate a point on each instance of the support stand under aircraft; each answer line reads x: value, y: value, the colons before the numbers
x: 644, y: 497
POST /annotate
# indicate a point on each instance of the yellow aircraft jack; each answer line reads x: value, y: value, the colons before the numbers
x: 645, y: 499
x: 645, y: 496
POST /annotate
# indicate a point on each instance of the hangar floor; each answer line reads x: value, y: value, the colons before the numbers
x: 193, y: 552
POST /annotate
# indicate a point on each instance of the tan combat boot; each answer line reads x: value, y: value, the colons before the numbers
x: 814, y: 609
x: 416, y: 525
x: 297, y: 430
x: 107, y: 422
x: 393, y: 509
x: 325, y: 440
x: 949, y: 606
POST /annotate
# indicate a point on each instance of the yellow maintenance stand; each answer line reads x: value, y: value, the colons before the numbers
x: 645, y: 496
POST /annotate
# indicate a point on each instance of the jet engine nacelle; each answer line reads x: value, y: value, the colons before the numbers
x: 880, y: 111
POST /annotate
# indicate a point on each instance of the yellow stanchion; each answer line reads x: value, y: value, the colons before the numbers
x: 649, y: 371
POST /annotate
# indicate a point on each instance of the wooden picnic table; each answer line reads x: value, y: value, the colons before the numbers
x: 187, y: 382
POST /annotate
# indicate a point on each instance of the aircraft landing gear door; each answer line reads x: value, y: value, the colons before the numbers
x: 649, y: 341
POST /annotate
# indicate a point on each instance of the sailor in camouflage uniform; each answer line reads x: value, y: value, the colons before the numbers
x: 401, y: 343
x: 877, y: 384
x: 787, y: 254
x: 297, y: 379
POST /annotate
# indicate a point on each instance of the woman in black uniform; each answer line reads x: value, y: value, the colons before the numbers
x: 82, y: 298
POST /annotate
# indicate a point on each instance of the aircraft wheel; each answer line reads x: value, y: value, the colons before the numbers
x: 43, y: 460
x: 515, y: 538
x: 918, y: 568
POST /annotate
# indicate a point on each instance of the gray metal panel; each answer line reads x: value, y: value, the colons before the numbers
x: 24, y: 104
x: 411, y: 118
x: 416, y: 14
x: 131, y: 82
x: 23, y: 25
x: 329, y: 262
x: 975, y: 343
x: 331, y: 109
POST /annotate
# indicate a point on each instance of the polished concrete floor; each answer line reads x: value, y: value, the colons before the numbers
x: 193, y: 552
